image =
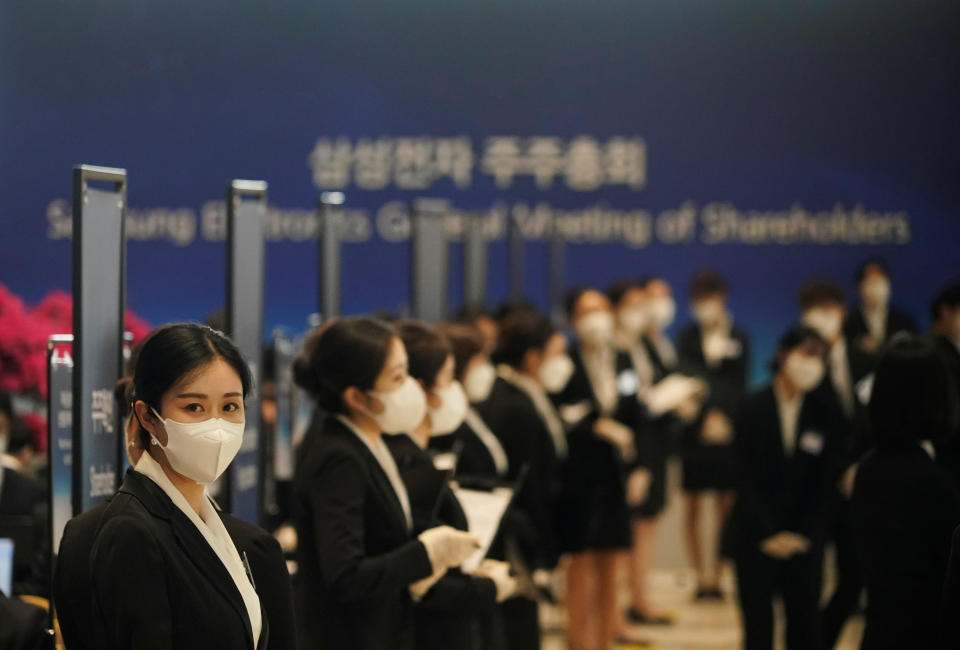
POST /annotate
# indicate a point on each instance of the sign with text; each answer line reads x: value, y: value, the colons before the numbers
x: 60, y: 433
x: 246, y: 207
x: 98, y: 307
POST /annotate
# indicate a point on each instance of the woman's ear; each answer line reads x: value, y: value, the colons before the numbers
x: 149, y: 421
x: 357, y: 400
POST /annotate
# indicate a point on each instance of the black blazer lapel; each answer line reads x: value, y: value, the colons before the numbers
x: 192, y: 542
x: 380, y: 480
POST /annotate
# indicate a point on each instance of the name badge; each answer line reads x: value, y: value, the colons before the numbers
x: 811, y: 442
x: 627, y: 382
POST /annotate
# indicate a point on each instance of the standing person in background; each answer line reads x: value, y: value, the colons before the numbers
x: 19, y: 493
x: 459, y: 611
x: 654, y: 359
x: 480, y: 318
x: 480, y: 455
x: 905, y: 508
x: 785, y: 444
x: 716, y: 351
x: 874, y: 321
x: 823, y: 308
x: 600, y: 406
x: 360, y: 563
x: 945, y: 333
x: 533, y: 361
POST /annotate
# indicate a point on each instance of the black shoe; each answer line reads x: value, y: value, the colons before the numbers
x: 637, y: 618
x: 709, y: 593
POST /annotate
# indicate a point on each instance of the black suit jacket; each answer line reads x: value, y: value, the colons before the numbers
x: 779, y: 492
x: 948, y: 451
x: 727, y: 379
x: 474, y: 460
x: 356, y: 556
x: 594, y: 478
x: 855, y: 329
x: 526, y: 440
x: 19, y: 494
x: 904, y: 510
x: 72, y: 583
x: 157, y: 584
x: 448, y: 617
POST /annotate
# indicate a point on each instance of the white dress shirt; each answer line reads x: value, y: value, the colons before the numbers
x: 789, y: 410
x: 211, y: 527
x: 541, y: 403
x: 388, y: 464
x: 840, y: 375
x: 489, y: 440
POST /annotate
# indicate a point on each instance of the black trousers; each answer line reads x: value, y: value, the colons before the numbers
x: 521, y: 623
x: 846, y: 595
x: 760, y: 578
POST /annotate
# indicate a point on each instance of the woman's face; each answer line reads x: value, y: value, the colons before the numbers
x: 211, y: 391
x: 394, y: 371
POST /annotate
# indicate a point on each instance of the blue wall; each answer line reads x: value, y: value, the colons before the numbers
x: 763, y: 106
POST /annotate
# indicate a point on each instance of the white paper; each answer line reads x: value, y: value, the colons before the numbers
x: 484, y: 511
x: 670, y: 392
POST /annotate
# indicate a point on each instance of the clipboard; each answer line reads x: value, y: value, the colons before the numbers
x: 485, y: 508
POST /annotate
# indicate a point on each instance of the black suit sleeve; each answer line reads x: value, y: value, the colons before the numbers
x: 336, y: 490
x: 756, y: 511
x: 130, y: 588
x: 458, y: 592
x: 273, y: 583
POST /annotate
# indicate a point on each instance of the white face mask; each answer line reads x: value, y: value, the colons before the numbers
x: 708, y: 313
x: 453, y: 408
x: 555, y: 372
x: 662, y: 311
x: 201, y: 451
x: 876, y: 292
x: 804, y: 371
x: 596, y: 328
x: 479, y: 382
x: 403, y: 408
x: 826, y: 321
x: 633, y: 320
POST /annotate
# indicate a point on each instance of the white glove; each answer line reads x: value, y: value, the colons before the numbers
x: 638, y: 486
x: 717, y: 429
x: 617, y: 435
x: 784, y: 545
x: 448, y: 547
x: 419, y: 588
x: 286, y: 535
x: 499, y: 572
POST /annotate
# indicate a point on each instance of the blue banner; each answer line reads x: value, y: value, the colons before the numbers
x: 772, y: 141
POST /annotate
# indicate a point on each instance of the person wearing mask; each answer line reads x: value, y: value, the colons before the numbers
x: 874, y: 321
x: 72, y: 581
x: 480, y: 456
x: 714, y: 350
x: 360, y: 563
x: 945, y: 333
x: 600, y: 406
x: 904, y: 506
x: 654, y: 360
x: 823, y: 308
x: 533, y: 362
x: 164, y: 571
x: 786, y: 457
x: 459, y: 611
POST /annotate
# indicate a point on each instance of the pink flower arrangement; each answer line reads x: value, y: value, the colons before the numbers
x: 24, y: 334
